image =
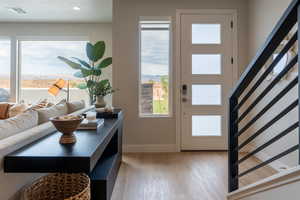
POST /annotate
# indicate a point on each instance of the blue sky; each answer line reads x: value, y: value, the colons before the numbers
x: 4, y: 57
x: 39, y: 58
x: 155, y: 52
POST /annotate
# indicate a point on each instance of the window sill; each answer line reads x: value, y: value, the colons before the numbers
x: 155, y: 116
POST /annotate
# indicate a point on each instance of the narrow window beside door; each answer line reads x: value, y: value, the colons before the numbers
x: 154, y: 94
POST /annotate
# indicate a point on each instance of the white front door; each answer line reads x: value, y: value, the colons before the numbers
x: 206, y: 78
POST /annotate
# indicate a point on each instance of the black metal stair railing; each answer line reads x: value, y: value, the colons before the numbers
x: 236, y: 100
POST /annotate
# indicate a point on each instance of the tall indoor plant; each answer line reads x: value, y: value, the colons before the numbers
x: 91, y: 71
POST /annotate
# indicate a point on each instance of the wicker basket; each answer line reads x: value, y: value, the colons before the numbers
x: 59, y: 187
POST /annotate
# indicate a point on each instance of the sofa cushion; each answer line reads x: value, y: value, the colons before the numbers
x: 75, y: 105
x: 19, y: 123
x: 41, y: 104
x: 17, y: 109
x: 4, y: 110
x: 54, y: 111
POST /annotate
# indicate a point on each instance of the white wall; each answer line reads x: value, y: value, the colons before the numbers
x: 154, y: 132
x: 263, y: 16
x: 11, y: 183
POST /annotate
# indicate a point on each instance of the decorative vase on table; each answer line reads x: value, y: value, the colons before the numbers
x: 100, y: 102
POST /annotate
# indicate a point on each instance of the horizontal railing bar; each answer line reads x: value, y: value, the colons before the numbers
x: 269, y: 124
x: 282, y: 28
x: 290, y: 150
x: 271, y: 141
x: 286, y: 48
x: 272, y: 103
x: 291, y: 64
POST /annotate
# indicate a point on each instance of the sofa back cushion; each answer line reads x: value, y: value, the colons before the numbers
x: 54, y: 111
x: 17, y: 109
x: 19, y: 123
x: 75, y: 106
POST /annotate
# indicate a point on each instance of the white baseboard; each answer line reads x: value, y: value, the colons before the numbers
x: 149, y: 148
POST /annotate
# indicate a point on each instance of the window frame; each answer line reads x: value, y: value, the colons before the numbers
x: 20, y: 39
x: 162, y: 20
x: 15, y: 57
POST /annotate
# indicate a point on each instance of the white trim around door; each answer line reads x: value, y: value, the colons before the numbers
x: 177, y: 69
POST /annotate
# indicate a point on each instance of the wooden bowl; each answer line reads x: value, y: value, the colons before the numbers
x: 67, y: 128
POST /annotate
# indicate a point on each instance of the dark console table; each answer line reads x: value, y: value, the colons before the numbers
x: 96, y: 153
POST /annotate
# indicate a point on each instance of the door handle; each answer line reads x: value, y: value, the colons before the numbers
x: 184, y: 89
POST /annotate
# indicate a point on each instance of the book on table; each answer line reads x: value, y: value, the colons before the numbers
x: 91, y: 124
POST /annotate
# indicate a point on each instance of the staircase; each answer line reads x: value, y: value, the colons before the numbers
x: 239, y: 108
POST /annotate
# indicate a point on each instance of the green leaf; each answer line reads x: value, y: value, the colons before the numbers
x: 70, y: 63
x: 97, y: 72
x: 104, y: 83
x: 95, y: 52
x: 90, y: 51
x: 86, y: 72
x: 99, y: 49
x: 83, y: 62
x: 90, y: 83
x: 105, y: 63
x: 78, y: 74
x: 81, y: 86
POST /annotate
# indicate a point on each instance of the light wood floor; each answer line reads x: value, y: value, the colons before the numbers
x: 178, y: 176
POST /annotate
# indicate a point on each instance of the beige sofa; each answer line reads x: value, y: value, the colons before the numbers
x: 12, y: 183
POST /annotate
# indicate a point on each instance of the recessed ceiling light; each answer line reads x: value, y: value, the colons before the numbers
x: 17, y: 10
x: 76, y: 8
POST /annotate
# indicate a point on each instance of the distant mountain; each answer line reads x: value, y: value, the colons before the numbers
x: 45, y: 77
x: 147, y: 78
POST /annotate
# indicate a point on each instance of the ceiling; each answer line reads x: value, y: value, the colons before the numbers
x: 57, y: 11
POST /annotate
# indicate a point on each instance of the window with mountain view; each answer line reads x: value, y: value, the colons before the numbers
x: 4, y: 70
x: 40, y: 68
x: 154, y: 68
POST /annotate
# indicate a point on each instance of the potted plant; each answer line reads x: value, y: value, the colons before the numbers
x: 91, y: 71
x: 101, y: 90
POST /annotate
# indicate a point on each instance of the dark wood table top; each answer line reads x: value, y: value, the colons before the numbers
x: 48, y: 155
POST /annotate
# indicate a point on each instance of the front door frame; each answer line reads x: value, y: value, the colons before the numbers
x: 177, y: 70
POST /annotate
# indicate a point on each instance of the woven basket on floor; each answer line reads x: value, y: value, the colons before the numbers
x: 59, y: 187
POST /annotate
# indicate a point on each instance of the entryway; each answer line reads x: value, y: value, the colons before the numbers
x: 178, y: 176
x: 208, y: 70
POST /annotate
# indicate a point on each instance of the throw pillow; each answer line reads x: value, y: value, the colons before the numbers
x: 19, y: 123
x: 54, y: 111
x: 17, y: 109
x: 75, y: 106
x: 41, y: 104
x: 4, y: 108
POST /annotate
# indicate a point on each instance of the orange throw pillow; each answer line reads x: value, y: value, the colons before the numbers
x: 4, y: 108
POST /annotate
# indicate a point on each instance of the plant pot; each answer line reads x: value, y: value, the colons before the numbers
x: 100, y: 102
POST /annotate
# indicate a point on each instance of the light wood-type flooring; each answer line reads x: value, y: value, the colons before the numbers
x: 179, y: 176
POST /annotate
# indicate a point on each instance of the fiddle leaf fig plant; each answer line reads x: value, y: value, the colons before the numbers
x: 91, y: 70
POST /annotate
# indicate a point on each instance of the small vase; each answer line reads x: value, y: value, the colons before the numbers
x: 100, y: 102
